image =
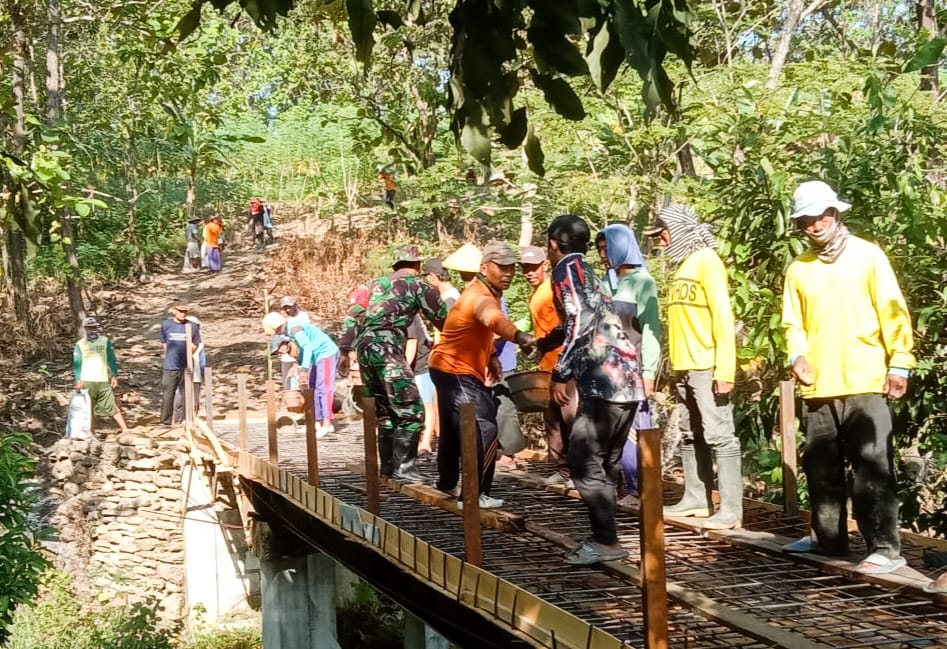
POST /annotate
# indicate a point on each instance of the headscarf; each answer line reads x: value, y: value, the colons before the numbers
x: 622, y: 246
x: 688, y: 234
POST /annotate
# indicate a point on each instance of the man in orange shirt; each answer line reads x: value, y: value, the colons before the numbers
x: 557, y: 419
x: 212, y: 232
x: 388, y: 178
x: 464, y: 363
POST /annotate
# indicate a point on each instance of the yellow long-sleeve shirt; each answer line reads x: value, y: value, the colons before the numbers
x: 701, y: 332
x: 848, y: 319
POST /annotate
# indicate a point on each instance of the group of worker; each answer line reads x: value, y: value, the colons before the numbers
x: 849, y: 341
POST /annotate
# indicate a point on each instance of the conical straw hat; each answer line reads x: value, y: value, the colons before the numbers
x: 465, y: 259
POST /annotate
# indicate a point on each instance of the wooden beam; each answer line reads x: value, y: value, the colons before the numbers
x: 654, y: 590
x: 787, y: 428
x: 272, y: 437
x: 312, y: 447
x: 371, y: 454
x: 470, y: 486
x: 188, y: 377
x: 209, y: 397
x: 244, y: 439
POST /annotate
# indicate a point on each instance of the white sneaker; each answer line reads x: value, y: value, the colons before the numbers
x: 568, y: 485
x: 322, y: 431
x: 486, y: 502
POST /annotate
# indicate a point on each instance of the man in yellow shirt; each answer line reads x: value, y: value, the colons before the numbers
x: 702, y: 351
x: 849, y: 339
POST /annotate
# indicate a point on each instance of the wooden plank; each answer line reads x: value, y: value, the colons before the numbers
x: 473, y: 545
x: 312, y: 448
x: 244, y: 439
x: 271, y: 436
x: 453, y: 571
x: 406, y: 548
x: 371, y: 454
x: 422, y: 559
x: 654, y: 594
x: 787, y: 428
x: 220, y: 453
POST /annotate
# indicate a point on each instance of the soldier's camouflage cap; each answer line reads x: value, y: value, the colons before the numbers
x: 406, y: 253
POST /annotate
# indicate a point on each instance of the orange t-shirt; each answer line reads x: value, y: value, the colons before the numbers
x: 212, y: 234
x: 542, y: 311
x: 389, y: 180
x: 466, y: 343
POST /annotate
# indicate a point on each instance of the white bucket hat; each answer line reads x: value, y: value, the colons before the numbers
x: 812, y: 198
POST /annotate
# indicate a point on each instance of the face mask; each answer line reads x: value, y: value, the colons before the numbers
x: 92, y: 335
x: 822, y: 238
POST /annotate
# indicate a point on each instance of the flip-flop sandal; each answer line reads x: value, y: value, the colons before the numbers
x: 876, y: 564
x: 588, y: 553
x: 933, y: 590
x: 805, y: 544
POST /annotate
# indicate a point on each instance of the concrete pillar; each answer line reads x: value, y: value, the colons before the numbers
x: 299, y: 602
x: 418, y: 635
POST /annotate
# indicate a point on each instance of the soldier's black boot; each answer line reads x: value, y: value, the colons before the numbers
x: 385, y: 452
x: 405, y: 452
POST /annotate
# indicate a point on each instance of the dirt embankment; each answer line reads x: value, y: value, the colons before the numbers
x: 319, y: 267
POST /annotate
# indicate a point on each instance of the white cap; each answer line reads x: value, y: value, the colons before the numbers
x: 812, y: 198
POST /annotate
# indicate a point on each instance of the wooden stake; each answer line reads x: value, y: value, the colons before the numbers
x: 312, y: 446
x: 189, y: 377
x: 470, y: 484
x: 654, y: 574
x: 242, y: 410
x: 273, y: 442
x: 787, y: 428
x: 209, y: 398
x: 371, y: 454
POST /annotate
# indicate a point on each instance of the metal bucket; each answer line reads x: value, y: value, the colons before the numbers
x: 529, y: 390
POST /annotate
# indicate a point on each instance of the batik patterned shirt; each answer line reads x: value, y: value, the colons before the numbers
x: 596, y: 353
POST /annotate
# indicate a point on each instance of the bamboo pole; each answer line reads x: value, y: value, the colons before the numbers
x: 470, y: 490
x: 188, y: 377
x: 242, y: 411
x: 787, y: 429
x: 312, y: 446
x: 272, y: 441
x: 371, y: 454
x: 653, y: 569
x: 209, y: 398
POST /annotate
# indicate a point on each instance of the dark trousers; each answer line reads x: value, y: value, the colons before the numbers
x: 598, y: 436
x: 557, y: 423
x: 172, y: 383
x: 454, y: 390
x: 853, y: 431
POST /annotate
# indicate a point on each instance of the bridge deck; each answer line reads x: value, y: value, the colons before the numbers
x: 734, y: 589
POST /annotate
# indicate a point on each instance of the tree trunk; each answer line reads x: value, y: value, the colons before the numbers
x: 54, y: 99
x: 927, y: 28
x: 15, y: 241
x: 795, y: 13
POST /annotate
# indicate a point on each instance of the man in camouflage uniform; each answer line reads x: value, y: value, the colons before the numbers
x: 380, y: 334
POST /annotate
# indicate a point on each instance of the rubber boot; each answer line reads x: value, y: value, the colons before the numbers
x: 405, y: 452
x: 385, y: 452
x: 697, y: 499
x: 730, y: 486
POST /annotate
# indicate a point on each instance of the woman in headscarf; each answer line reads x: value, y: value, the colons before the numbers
x: 635, y: 299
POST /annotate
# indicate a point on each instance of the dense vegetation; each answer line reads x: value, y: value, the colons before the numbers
x: 116, y: 129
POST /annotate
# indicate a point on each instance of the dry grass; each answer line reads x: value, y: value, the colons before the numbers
x: 322, y: 271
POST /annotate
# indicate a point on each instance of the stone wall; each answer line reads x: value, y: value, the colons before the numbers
x: 120, y: 505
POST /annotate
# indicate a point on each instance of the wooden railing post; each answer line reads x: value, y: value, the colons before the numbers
x: 273, y: 442
x: 242, y: 411
x: 653, y: 570
x: 312, y: 447
x: 787, y: 429
x: 470, y: 484
x: 209, y: 398
x: 188, y: 377
x: 371, y: 454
